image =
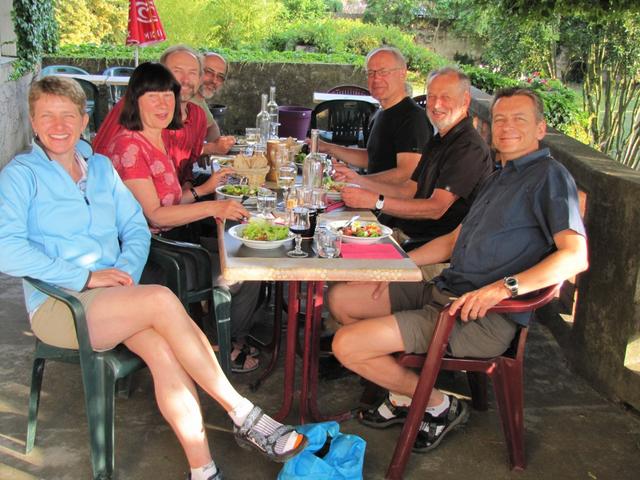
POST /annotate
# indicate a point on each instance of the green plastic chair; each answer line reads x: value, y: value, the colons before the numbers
x: 177, y: 259
x: 102, y: 372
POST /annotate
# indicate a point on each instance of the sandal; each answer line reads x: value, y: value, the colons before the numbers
x: 433, y: 429
x: 384, y: 414
x: 239, y: 362
x: 251, y: 350
x: 247, y: 437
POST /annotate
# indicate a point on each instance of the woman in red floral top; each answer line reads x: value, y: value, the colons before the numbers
x: 145, y: 160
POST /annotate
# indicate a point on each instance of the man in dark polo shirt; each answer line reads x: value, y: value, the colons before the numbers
x: 523, y: 233
x: 397, y: 132
x: 453, y: 165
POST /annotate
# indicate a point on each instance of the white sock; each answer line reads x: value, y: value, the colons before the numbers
x: 241, y: 411
x: 266, y: 425
x: 437, y: 410
x: 399, y: 400
x: 205, y: 472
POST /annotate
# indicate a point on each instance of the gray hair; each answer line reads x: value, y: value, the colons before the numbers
x: 397, y: 55
x: 463, y: 78
x: 181, y: 48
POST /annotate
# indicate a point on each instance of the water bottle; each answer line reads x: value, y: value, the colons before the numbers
x: 263, y: 120
x: 272, y: 108
x: 313, y: 165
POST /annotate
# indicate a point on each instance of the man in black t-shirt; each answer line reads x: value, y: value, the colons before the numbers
x: 398, y: 131
x: 454, y: 162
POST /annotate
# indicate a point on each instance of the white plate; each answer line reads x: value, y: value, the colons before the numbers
x: 221, y: 195
x: 222, y: 160
x: 236, y: 232
x: 386, y: 231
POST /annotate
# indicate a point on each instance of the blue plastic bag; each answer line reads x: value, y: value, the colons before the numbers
x: 343, y: 461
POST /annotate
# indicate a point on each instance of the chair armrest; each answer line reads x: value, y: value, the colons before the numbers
x: 77, y: 311
x: 529, y: 302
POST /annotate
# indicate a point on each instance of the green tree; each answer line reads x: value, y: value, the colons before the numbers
x: 36, y: 33
x: 400, y: 13
x: 92, y: 21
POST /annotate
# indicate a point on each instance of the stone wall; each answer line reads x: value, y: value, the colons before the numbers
x: 295, y: 84
x: 15, y: 131
x: 601, y: 339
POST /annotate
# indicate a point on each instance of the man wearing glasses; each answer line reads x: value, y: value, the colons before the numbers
x: 398, y: 132
x: 214, y: 74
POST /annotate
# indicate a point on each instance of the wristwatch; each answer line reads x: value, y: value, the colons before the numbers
x: 379, y: 203
x: 511, y: 283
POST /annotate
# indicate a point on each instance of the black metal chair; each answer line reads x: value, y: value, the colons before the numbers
x: 117, y: 91
x: 93, y: 103
x: 421, y: 100
x: 344, y: 122
x: 350, y: 90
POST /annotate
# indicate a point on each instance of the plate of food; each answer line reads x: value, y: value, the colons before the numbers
x: 334, y: 189
x: 261, y: 234
x: 363, y: 233
x: 236, y: 192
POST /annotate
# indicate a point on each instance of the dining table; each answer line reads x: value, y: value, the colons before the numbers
x: 306, y: 278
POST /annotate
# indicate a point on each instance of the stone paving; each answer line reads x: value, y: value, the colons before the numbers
x: 572, y: 432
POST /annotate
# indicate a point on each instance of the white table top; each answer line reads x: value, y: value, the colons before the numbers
x: 240, y: 263
x: 319, y: 97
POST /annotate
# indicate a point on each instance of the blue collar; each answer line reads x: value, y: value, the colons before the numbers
x: 524, y: 161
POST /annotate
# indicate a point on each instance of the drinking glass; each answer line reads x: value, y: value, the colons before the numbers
x: 266, y: 202
x: 329, y: 243
x: 252, y: 136
x: 286, y: 178
x: 319, y: 199
x: 299, y: 224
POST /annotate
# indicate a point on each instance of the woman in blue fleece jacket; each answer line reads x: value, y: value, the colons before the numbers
x: 66, y: 218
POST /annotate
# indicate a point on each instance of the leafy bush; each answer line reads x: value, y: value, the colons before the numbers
x: 354, y: 37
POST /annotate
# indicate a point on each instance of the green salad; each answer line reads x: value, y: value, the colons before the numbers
x: 260, y: 229
x: 239, y: 190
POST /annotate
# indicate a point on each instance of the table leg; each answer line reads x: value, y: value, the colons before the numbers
x: 290, y: 356
x: 275, y: 341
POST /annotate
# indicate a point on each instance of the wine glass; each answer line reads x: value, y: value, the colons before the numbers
x: 299, y: 224
x: 286, y: 178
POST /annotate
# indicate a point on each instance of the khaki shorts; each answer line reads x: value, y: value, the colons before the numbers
x: 416, y: 306
x: 53, y: 323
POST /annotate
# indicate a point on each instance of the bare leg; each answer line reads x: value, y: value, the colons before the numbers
x: 176, y: 394
x: 366, y: 347
x: 350, y: 302
x: 121, y: 312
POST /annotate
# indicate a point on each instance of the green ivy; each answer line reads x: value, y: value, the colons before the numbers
x: 36, y: 33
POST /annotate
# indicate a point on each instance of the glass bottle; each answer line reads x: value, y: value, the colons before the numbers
x: 263, y: 120
x: 272, y: 108
x: 313, y: 165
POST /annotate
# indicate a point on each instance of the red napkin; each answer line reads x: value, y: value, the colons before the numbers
x: 375, y: 250
x: 334, y: 206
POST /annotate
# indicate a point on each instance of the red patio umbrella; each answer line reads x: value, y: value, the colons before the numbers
x: 144, y: 25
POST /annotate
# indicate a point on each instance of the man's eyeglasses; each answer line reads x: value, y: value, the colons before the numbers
x: 220, y: 76
x: 383, y: 72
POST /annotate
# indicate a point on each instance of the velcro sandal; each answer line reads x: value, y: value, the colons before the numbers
x: 247, y: 436
x: 433, y: 429
x: 384, y: 415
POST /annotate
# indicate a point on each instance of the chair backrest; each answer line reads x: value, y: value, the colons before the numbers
x: 53, y: 69
x: 94, y: 104
x: 421, y: 100
x: 118, y: 71
x: 349, y: 90
x: 346, y: 120
x: 116, y: 92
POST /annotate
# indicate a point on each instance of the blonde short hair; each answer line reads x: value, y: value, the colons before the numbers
x: 59, y: 86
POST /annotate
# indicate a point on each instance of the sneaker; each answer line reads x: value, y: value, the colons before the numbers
x: 384, y: 415
x: 215, y: 476
x: 433, y: 429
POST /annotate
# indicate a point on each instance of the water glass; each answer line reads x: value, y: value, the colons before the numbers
x: 266, y: 202
x: 252, y: 135
x: 328, y: 243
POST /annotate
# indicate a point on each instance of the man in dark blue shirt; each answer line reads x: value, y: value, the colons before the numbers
x: 523, y: 233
